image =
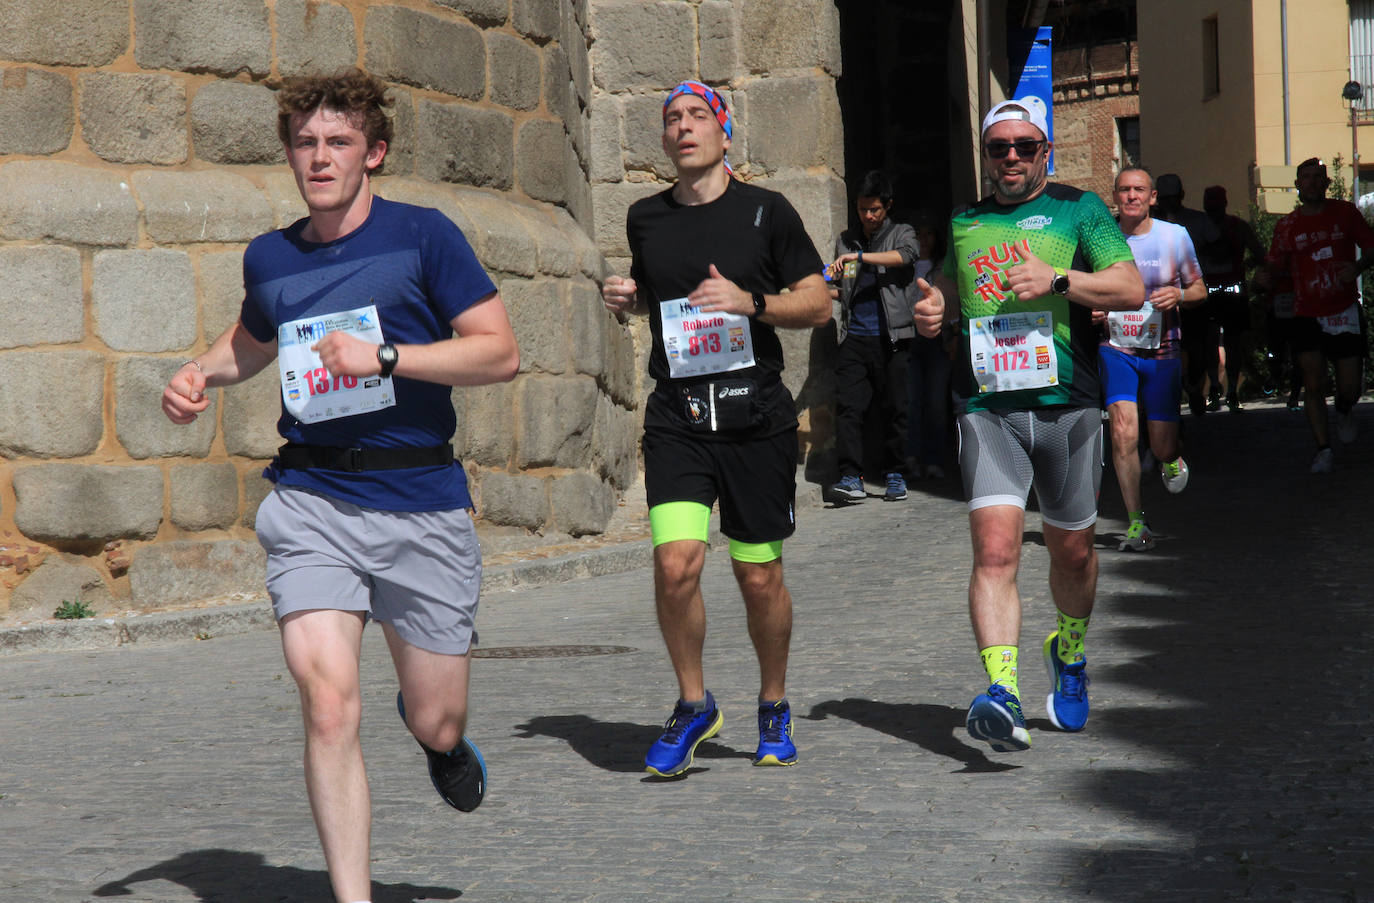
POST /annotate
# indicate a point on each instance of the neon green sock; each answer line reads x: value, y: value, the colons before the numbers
x: 1000, y: 663
x: 1137, y: 516
x: 1071, y: 631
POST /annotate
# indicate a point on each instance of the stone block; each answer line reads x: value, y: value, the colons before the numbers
x: 43, y: 199
x: 314, y: 37
x: 643, y: 135
x: 87, y: 502
x: 486, y: 424
x: 52, y: 403
x: 500, y: 239
x: 615, y: 438
x: 537, y: 19
x: 627, y: 360
x: 557, y: 256
x: 64, y: 32
x: 515, y: 72
x: 482, y: 12
x: 819, y: 201
x: 61, y: 578
x: 575, y: 39
x: 204, y: 496
x: 718, y: 37
x: 226, y: 37
x: 221, y: 292
x: 255, y: 489
x: 610, y: 204
x: 134, y: 118
x: 249, y: 420
x: 581, y: 503
x: 144, y: 300
x: 285, y: 198
x: 535, y: 308
x: 590, y: 262
x: 539, y: 155
x: 556, y: 419
x: 607, y: 162
x: 802, y: 35
x: 140, y: 425
x: 425, y: 51
x: 36, y: 106
x: 513, y: 500
x: 217, y: 206
x: 41, y: 296
x: 235, y: 123
x: 456, y: 143
x: 560, y: 98
x: 803, y: 124
x: 400, y: 154
x: 579, y: 202
x: 178, y: 573
x: 644, y: 44
x: 588, y: 321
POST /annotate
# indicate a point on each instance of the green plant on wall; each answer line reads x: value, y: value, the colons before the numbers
x: 73, y: 611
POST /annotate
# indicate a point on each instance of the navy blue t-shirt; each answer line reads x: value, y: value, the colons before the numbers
x: 414, y: 265
x: 864, y: 315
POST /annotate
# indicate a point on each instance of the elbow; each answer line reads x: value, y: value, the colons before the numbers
x: 511, y: 366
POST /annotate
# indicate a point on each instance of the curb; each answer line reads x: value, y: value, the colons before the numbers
x: 243, y: 617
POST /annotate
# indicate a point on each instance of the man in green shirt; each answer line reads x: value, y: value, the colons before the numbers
x: 1029, y: 265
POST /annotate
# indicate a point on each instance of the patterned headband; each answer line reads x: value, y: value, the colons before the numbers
x: 713, y: 100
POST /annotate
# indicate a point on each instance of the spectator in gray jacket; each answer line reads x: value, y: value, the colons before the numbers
x: 872, y: 277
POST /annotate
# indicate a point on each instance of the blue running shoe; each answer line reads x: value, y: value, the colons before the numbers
x: 684, y: 730
x: 848, y: 489
x: 995, y: 718
x: 896, y: 488
x: 459, y: 776
x: 775, y: 735
x: 1067, y: 705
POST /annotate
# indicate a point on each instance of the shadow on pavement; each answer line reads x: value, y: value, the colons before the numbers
x: 613, y: 745
x: 1251, y: 633
x: 233, y: 876
x: 932, y: 727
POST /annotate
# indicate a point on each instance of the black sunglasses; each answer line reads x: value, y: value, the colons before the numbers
x: 1025, y: 148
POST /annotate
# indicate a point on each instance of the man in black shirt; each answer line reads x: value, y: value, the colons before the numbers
x: 711, y: 257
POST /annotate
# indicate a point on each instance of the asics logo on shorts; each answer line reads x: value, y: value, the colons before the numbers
x: 733, y: 392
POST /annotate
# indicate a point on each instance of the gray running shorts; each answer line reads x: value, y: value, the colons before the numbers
x: 419, y: 571
x: 1057, y: 450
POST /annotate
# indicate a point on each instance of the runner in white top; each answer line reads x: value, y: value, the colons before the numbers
x: 1141, y: 356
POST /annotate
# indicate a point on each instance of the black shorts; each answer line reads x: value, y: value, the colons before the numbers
x: 1230, y: 308
x: 1307, y: 335
x: 755, y: 480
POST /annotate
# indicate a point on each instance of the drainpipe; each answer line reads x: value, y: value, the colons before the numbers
x: 1287, y: 130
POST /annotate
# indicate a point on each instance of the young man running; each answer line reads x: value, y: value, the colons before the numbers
x: 1141, y: 355
x: 359, y: 303
x: 711, y: 257
x: 1029, y: 265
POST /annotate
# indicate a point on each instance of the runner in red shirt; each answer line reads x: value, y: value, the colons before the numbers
x: 1316, y: 246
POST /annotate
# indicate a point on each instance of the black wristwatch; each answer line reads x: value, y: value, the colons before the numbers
x: 760, y: 305
x: 1060, y: 283
x: 387, y: 357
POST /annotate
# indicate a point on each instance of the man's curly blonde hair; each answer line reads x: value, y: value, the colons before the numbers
x: 360, y: 97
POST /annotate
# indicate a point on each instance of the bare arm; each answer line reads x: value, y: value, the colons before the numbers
x: 621, y: 296
x: 482, y: 351
x: 1117, y: 287
x: 234, y: 357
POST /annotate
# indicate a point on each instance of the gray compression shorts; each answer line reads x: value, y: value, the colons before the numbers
x: 419, y: 571
x: 1057, y: 450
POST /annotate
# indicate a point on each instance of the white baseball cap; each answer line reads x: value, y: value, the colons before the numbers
x: 1024, y: 109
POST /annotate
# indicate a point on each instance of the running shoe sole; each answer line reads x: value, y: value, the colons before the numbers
x: 995, y: 726
x: 686, y: 761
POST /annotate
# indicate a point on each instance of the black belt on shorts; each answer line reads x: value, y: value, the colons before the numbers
x: 295, y: 456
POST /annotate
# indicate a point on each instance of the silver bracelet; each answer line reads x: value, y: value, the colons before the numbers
x: 195, y: 363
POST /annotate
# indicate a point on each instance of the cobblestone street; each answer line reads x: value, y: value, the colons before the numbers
x: 1229, y: 755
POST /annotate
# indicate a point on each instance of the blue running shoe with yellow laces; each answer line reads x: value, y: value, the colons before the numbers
x: 775, y: 735
x: 995, y: 718
x: 1067, y: 704
x: 684, y: 730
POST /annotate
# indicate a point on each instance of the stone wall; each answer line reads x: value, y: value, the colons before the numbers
x: 1093, y: 88
x: 775, y: 62
x: 138, y: 159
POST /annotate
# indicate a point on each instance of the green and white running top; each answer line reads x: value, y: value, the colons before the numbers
x: 1017, y: 355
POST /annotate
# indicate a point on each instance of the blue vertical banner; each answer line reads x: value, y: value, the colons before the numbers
x: 1030, y: 71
